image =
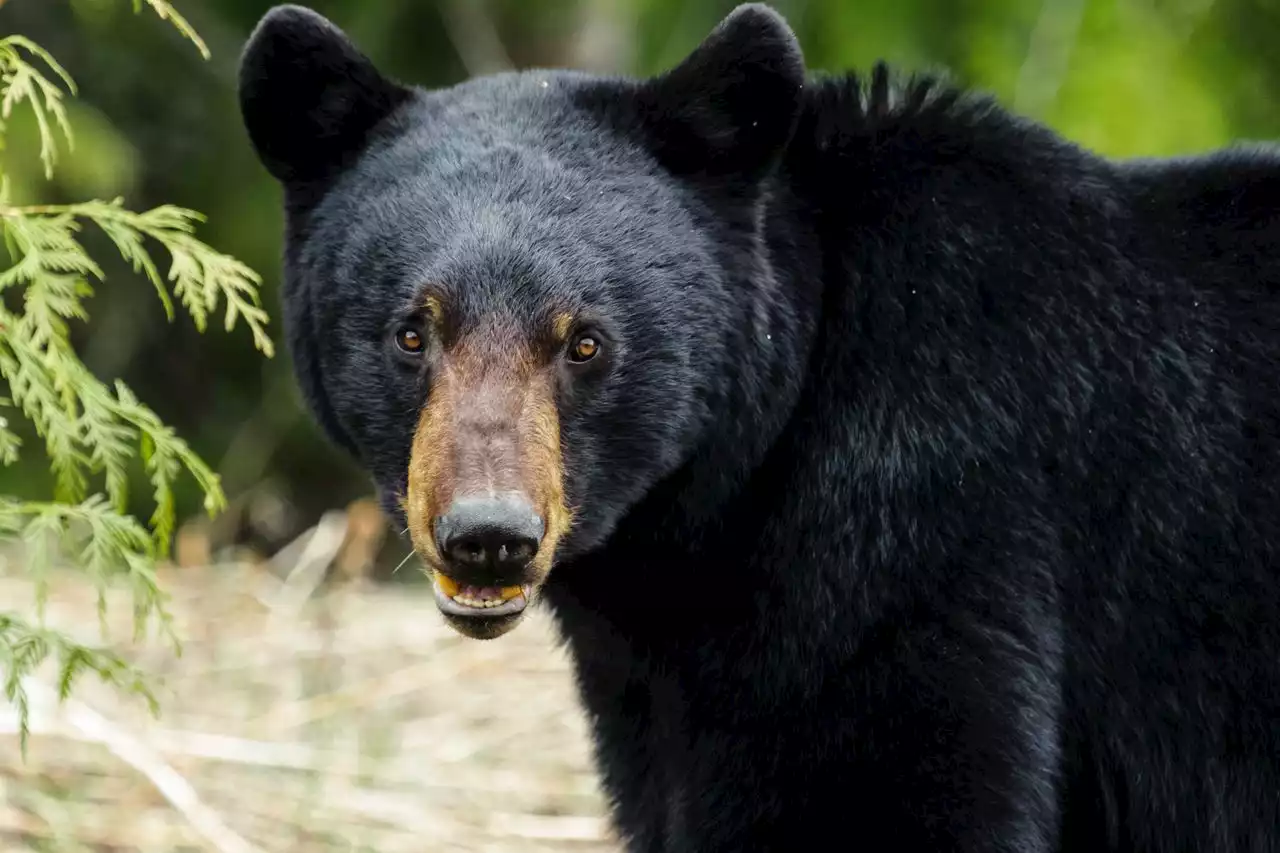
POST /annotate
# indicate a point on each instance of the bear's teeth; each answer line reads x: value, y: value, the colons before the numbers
x: 479, y: 603
x: 477, y: 597
x: 483, y: 594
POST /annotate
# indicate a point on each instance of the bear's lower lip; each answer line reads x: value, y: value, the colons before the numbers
x: 472, y: 604
x: 485, y: 622
x: 483, y: 627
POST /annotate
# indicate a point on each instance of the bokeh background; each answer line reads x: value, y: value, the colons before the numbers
x: 156, y: 124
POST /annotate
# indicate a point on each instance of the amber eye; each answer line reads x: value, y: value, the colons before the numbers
x: 410, y: 340
x: 584, y: 348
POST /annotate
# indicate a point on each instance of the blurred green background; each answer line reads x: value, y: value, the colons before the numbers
x: 156, y: 124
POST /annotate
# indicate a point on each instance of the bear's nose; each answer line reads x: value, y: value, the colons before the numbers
x: 489, y: 541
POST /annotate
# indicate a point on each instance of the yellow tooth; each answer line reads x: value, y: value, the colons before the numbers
x: 510, y: 592
x: 447, y: 586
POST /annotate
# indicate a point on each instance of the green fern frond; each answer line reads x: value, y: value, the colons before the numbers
x: 168, y: 13
x: 100, y: 430
x: 38, y: 392
x: 21, y: 81
x: 165, y: 455
x: 10, y: 443
x: 129, y: 242
x: 45, y: 246
x: 50, y: 384
x: 203, y: 278
x: 107, y: 544
x: 24, y: 648
x: 90, y: 429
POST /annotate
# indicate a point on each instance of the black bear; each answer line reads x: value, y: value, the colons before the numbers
x: 900, y: 475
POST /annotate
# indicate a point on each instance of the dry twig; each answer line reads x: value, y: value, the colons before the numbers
x: 175, y: 789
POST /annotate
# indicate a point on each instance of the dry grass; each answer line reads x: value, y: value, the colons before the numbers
x: 296, y: 720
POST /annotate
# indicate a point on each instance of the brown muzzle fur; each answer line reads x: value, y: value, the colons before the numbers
x: 490, y: 427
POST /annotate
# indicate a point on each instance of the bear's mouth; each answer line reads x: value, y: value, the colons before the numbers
x: 480, y: 611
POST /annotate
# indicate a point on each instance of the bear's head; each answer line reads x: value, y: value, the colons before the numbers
x: 521, y: 302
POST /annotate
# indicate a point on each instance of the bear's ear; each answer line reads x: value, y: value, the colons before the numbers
x: 730, y: 106
x: 308, y: 97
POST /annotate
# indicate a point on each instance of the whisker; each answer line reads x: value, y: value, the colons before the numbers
x: 406, y: 559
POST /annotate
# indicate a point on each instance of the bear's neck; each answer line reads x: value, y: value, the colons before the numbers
x: 770, y: 327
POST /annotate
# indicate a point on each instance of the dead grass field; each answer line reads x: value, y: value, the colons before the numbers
x: 305, y: 718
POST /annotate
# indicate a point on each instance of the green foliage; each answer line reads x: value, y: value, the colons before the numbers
x: 25, y: 647
x: 22, y: 81
x: 92, y: 430
x: 167, y: 12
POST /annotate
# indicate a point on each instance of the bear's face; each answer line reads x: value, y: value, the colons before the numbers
x: 508, y: 298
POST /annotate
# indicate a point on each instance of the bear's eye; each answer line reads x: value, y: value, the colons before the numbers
x: 410, y: 340
x: 584, y: 349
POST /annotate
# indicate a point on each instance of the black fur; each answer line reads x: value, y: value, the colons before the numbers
x: 930, y: 498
